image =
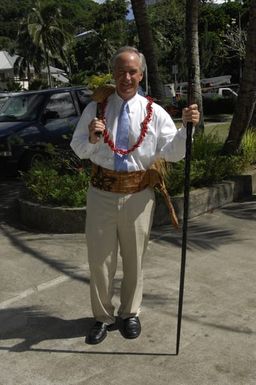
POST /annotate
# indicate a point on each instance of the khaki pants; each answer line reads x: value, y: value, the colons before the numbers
x: 117, y: 222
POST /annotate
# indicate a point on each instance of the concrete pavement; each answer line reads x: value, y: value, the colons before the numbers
x: 45, y: 307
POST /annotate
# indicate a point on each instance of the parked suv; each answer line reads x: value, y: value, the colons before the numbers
x: 30, y: 120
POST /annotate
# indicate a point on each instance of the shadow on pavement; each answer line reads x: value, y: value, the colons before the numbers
x: 60, y: 266
x: 200, y: 236
x: 9, y: 191
x: 247, y: 210
x: 34, y: 326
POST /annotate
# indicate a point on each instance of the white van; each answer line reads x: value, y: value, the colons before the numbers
x: 223, y: 92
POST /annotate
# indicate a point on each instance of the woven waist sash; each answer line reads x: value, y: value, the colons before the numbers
x: 132, y: 182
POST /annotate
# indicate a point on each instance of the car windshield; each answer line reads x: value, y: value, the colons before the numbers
x: 21, y: 108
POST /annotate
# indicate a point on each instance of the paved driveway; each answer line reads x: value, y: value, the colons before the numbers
x: 45, y: 307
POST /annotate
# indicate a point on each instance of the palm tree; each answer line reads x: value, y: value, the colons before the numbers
x: 246, y: 100
x: 28, y: 54
x: 193, y: 57
x: 46, y: 30
x: 147, y: 46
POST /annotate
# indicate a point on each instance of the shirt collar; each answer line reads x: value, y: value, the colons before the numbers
x: 130, y: 102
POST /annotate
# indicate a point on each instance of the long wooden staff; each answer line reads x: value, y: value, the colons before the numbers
x: 191, y: 77
x: 184, y: 230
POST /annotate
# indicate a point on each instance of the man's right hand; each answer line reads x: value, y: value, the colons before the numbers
x: 96, y: 128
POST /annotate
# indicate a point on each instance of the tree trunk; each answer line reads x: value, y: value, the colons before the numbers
x: 48, y: 72
x: 49, y: 78
x: 246, y: 100
x: 28, y: 74
x: 194, y: 89
x: 147, y: 47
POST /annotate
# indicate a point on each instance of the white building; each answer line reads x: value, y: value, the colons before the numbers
x: 6, y: 68
x: 7, y: 62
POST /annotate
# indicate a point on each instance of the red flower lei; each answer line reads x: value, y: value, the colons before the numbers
x: 143, y: 131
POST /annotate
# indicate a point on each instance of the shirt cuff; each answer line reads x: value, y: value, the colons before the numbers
x: 90, y: 147
x: 183, y: 131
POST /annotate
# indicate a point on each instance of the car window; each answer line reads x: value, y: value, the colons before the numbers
x: 83, y: 98
x: 21, y: 107
x: 61, y: 106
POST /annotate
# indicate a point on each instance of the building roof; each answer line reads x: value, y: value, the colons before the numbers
x: 6, y: 60
x: 7, y: 63
x: 60, y: 78
x: 54, y: 70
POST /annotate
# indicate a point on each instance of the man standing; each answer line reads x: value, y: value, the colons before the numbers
x: 132, y: 133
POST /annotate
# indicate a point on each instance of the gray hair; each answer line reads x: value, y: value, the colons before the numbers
x: 127, y: 48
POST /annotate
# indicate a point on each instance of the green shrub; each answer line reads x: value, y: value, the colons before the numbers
x: 205, y: 146
x: 96, y: 81
x: 57, y: 181
x: 207, y: 166
x: 62, y: 180
x: 175, y: 177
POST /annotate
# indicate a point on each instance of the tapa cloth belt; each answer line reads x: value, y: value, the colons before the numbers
x: 132, y: 182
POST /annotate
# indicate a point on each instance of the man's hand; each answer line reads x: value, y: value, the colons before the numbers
x: 96, y: 128
x: 190, y: 114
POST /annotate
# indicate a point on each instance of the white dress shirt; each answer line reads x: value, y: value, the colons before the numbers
x: 162, y: 140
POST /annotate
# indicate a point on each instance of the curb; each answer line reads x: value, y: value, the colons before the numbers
x: 51, y: 219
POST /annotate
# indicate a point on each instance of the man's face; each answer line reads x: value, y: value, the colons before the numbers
x: 127, y: 74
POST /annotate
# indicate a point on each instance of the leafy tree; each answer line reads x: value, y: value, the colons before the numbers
x: 234, y: 40
x: 214, y: 22
x: 94, y: 51
x: 45, y: 27
x: 167, y: 19
x: 110, y: 12
x: 11, y: 12
x: 247, y: 95
x: 110, y: 19
x: 6, y: 44
x: 28, y: 54
x: 78, y: 15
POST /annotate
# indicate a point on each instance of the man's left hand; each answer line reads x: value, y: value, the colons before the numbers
x: 190, y: 114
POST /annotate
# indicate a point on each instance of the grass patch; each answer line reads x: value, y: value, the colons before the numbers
x: 218, y: 129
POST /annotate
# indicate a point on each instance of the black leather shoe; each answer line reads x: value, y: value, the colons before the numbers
x: 131, y: 327
x: 97, y: 333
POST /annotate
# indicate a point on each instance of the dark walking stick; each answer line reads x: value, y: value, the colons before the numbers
x: 193, y: 80
x: 185, y: 220
x: 184, y: 230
